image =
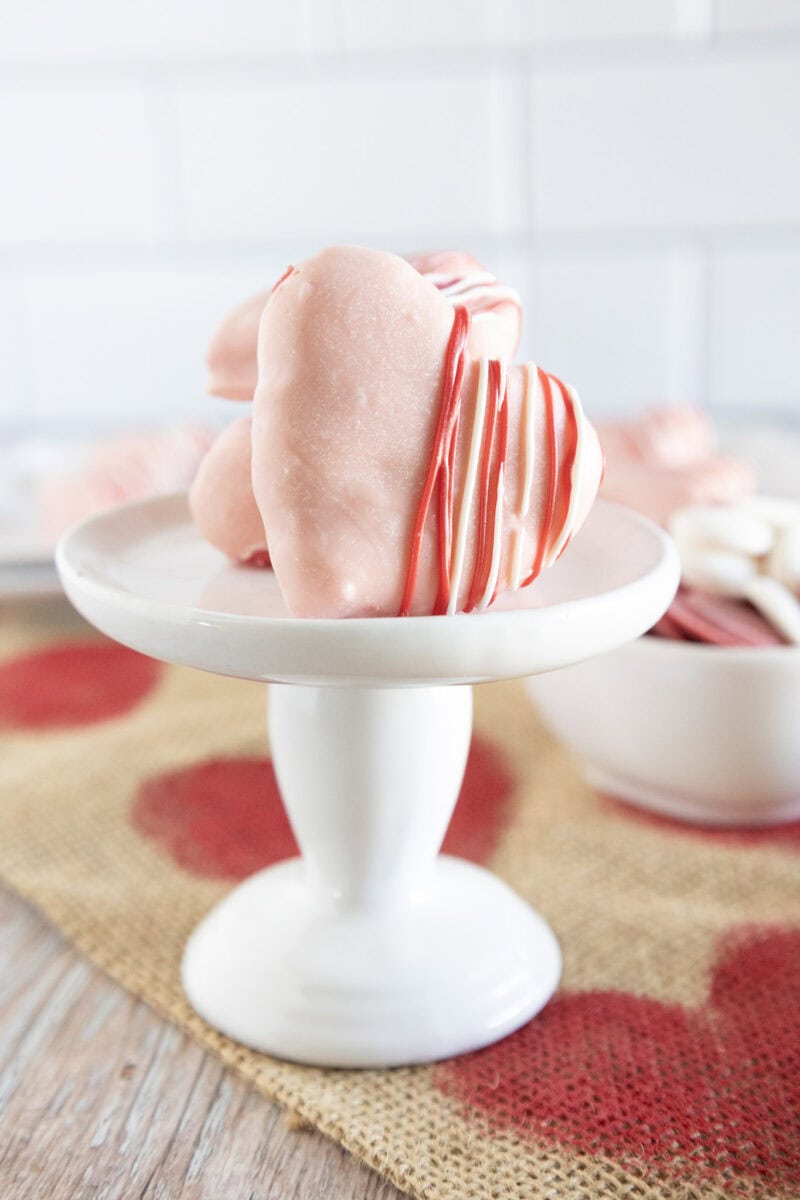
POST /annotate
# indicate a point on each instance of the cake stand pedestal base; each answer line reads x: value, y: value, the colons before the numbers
x: 370, y: 951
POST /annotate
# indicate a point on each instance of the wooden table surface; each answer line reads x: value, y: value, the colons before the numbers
x: 102, y: 1100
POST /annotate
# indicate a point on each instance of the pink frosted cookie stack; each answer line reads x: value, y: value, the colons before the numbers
x: 397, y: 463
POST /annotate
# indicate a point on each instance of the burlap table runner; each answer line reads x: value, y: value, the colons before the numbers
x: 668, y: 1066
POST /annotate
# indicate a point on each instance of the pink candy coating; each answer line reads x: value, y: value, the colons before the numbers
x: 231, y: 357
x: 221, y: 498
x: 351, y: 352
x: 223, y: 510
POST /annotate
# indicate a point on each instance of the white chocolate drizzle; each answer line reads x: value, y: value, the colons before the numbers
x: 476, y: 438
x: 479, y: 289
x: 517, y: 550
x: 577, y: 465
x: 497, y: 546
x: 497, y: 524
x: 528, y: 439
x: 528, y: 434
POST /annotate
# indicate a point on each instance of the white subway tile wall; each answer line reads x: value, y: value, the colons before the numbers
x: 698, y: 144
x: 14, y: 377
x: 755, y: 329
x: 632, y: 168
x: 751, y: 16
x: 94, y: 31
x: 346, y: 159
x: 75, y: 162
x: 370, y: 25
x: 624, y: 327
x: 128, y: 341
x: 584, y: 20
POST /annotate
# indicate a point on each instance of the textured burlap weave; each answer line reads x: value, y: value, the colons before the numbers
x: 667, y: 1067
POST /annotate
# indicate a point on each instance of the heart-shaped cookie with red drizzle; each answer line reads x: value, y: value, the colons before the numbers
x: 221, y: 498
x: 394, y: 473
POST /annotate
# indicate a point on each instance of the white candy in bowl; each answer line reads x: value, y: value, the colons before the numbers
x: 702, y: 732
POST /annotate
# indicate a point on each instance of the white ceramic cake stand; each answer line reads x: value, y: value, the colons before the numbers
x: 369, y: 950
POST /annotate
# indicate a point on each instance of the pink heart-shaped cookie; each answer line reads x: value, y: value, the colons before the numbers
x: 221, y: 498
x: 658, y: 492
x: 666, y: 459
x: 393, y: 471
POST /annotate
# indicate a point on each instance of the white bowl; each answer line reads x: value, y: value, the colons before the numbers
x: 704, y: 733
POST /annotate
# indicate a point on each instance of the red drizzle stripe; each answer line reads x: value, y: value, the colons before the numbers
x: 551, y: 454
x: 441, y: 453
x: 479, y: 576
x: 571, y: 443
x: 447, y: 491
x: 284, y: 276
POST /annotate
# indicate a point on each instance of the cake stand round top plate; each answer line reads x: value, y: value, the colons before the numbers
x: 143, y: 574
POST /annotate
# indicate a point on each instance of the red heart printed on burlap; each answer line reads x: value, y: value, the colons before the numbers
x: 223, y: 818
x: 394, y: 472
x: 706, y: 1092
x: 72, y: 683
